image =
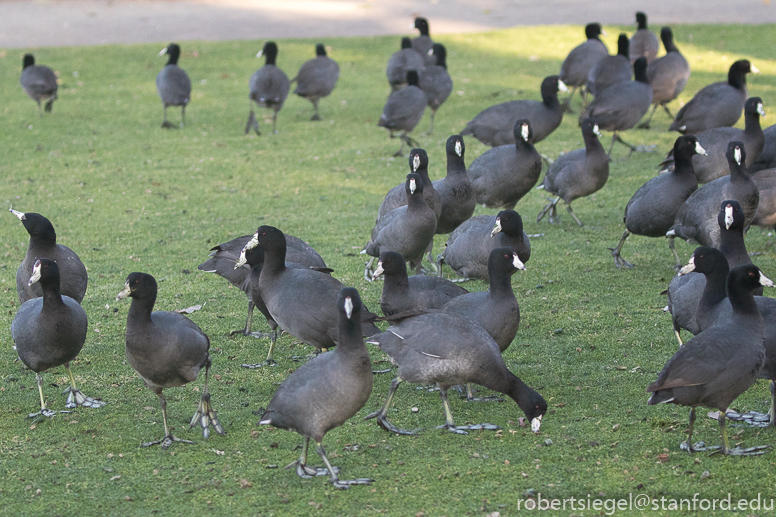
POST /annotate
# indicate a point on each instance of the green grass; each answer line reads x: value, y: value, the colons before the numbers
x: 129, y: 196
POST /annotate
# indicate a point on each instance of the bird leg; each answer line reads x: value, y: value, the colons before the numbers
x: 50, y: 103
x: 303, y: 470
x: 410, y: 141
x: 380, y: 414
x: 665, y: 107
x: 757, y: 450
x: 772, y: 411
x: 166, y: 124
x: 678, y: 337
x: 205, y: 413
x: 688, y: 446
x: 431, y: 125
x: 570, y: 211
x: 273, y: 336
x: 342, y: 484
x: 275, y: 121
x: 549, y: 208
x: 645, y: 125
x: 471, y: 398
x: 368, y: 271
x: 43, y: 409
x: 246, y: 330
x: 252, y: 123
x: 633, y: 148
x: 440, y: 259
x: 449, y: 425
x: 75, y: 397
x: 183, y: 115
x: 168, y: 439
x: 567, y: 102
x: 430, y: 257
x: 618, y: 260
x: 315, y: 110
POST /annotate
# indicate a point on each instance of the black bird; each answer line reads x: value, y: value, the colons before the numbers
x: 503, y: 175
x: 39, y: 82
x: 436, y: 82
x: 643, y: 43
x: 610, y: 70
x: 269, y: 87
x: 317, y: 78
x: 496, y: 125
x: 326, y: 391
x: 716, y: 105
x: 50, y: 331
x: 767, y: 158
x: 577, y: 65
x: 403, y: 110
x: 173, y: 84
x: 43, y: 244
x: 448, y: 350
x: 576, y: 174
x: 667, y: 75
x: 468, y: 248
x: 401, y: 62
x: 455, y: 189
x: 423, y: 44
x: 397, y: 196
x: 652, y: 209
x: 167, y: 350
x: 766, y: 208
x: 720, y: 363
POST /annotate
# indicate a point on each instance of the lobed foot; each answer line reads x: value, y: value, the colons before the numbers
x: 619, y: 262
x: 166, y: 442
x: 757, y: 450
x: 751, y: 419
x: 308, y: 472
x: 168, y: 125
x: 463, y: 429
x: 44, y: 412
x: 76, y: 398
x: 268, y: 362
x: 344, y: 484
x: 698, y: 447
x: 315, y: 117
x: 206, y: 416
x: 388, y: 426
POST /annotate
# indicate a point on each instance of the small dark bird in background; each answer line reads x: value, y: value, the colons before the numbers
x: 401, y: 62
x: 173, y: 84
x: 436, y: 83
x: 423, y: 44
x: 317, y: 78
x: 269, y: 87
x: 403, y: 110
x: 39, y: 82
x: 643, y: 43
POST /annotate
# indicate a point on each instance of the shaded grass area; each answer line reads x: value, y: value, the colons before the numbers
x: 129, y: 196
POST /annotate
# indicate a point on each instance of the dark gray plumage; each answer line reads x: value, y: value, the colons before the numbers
x: 317, y: 78
x: 716, y: 105
x: 643, y: 43
x: 167, y: 350
x: 715, y: 165
x: 436, y: 83
x: 767, y: 158
x: 469, y: 247
x: 50, y: 331
x: 397, y: 196
x: 269, y: 87
x: 423, y: 44
x: 495, y: 126
x: 652, y: 209
x: 402, y: 293
x: 766, y: 208
x: 325, y: 392
x: 302, y: 301
x: 582, y: 58
x: 610, y: 70
x: 576, y: 174
x: 667, y: 75
x: 39, y: 82
x: 401, y: 62
x: 455, y: 189
x: 503, y: 175
x: 43, y: 244
x: 173, y: 84
x: 622, y: 105
x: 408, y: 229
x: 403, y: 110
x: 496, y: 310
x: 719, y: 364
x: 447, y: 350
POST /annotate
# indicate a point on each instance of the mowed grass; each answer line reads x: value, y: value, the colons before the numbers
x: 129, y: 196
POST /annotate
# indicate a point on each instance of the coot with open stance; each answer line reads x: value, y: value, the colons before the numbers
x: 326, y: 391
x: 167, y: 350
x: 50, y: 331
x: 173, y: 84
x: 720, y: 363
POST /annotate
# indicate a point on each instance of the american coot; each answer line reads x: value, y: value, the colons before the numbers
x: 436, y: 82
x: 317, y: 78
x: 455, y: 189
x: 667, y: 75
x: 714, y: 306
x: 43, y: 243
x: 610, y: 70
x: 326, y: 391
x: 397, y: 196
x: 496, y: 125
x: 468, y: 248
x: 423, y: 44
x: 39, y: 82
x: 173, y: 84
x: 715, y: 141
x: 503, y: 175
x: 301, y: 301
x: 643, y: 43
x: 717, y: 365
x: 403, y: 110
x: 685, y: 290
x: 167, y: 350
x: 269, y: 87
x: 766, y: 209
x: 223, y: 258
x: 402, y: 293
x: 447, y: 350
x: 576, y: 174
x: 697, y: 218
x: 621, y: 106
x: 767, y: 158
x: 50, y: 331
x: 408, y: 229
x: 652, y: 209
x: 716, y: 105
x: 577, y: 65
x: 401, y: 62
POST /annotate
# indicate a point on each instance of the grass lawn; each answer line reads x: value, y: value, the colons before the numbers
x: 129, y: 196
